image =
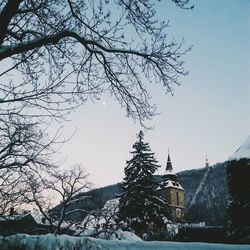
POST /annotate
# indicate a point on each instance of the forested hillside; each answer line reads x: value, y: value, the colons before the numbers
x: 205, y: 196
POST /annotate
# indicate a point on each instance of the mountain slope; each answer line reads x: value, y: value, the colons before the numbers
x: 205, y: 196
x: 205, y: 201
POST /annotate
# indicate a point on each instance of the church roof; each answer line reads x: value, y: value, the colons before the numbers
x: 170, y: 178
x: 173, y: 184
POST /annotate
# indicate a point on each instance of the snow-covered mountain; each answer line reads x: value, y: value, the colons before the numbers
x: 243, y: 151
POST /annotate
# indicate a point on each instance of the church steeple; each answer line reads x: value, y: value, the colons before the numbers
x: 169, y: 164
x: 169, y: 173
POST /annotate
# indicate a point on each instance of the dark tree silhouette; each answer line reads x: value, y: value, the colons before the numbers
x: 238, y: 208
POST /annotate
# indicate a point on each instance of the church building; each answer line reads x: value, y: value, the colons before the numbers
x: 173, y: 193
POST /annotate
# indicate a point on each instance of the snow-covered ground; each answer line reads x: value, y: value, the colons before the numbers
x: 243, y: 151
x: 65, y: 242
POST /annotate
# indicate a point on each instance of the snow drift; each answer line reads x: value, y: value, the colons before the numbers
x: 65, y: 242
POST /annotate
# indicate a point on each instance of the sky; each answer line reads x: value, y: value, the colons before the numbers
x: 209, y: 113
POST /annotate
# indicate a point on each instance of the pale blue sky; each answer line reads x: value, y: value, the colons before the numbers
x: 209, y: 113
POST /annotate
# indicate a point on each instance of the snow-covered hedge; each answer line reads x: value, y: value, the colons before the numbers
x: 64, y: 242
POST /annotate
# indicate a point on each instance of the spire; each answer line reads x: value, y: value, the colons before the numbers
x: 206, y: 164
x: 169, y: 164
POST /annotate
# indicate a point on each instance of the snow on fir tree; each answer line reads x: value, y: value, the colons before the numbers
x: 141, y: 208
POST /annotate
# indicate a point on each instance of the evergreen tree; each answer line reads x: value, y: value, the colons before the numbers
x: 140, y: 206
x: 238, y: 207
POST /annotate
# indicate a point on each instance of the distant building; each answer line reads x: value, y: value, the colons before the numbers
x: 173, y: 193
x: 206, y: 163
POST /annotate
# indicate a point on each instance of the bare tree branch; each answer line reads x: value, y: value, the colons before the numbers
x: 67, y: 52
x: 67, y: 184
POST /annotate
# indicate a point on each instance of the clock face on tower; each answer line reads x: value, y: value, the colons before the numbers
x: 178, y: 213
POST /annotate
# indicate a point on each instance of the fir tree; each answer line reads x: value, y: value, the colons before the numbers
x: 141, y: 207
x: 238, y: 208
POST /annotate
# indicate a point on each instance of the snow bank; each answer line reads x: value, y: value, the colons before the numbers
x: 243, y: 151
x: 42, y: 242
x: 65, y: 242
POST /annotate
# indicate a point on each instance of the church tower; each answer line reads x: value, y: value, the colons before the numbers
x: 173, y: 193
